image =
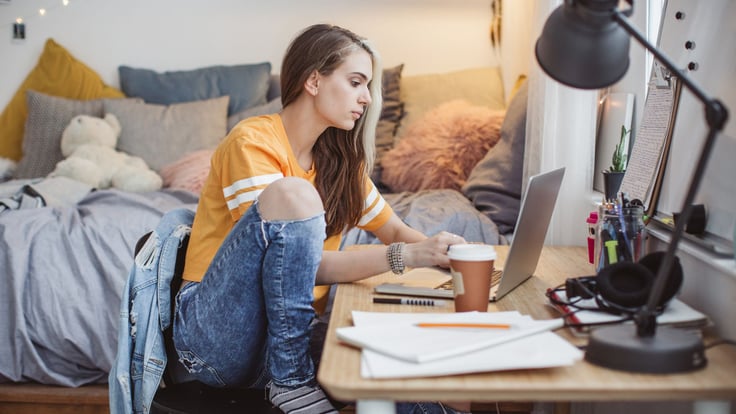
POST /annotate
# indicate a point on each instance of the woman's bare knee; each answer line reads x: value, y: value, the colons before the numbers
x: 289, y: 198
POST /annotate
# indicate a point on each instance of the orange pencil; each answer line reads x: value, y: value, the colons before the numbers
x: 463, y: 325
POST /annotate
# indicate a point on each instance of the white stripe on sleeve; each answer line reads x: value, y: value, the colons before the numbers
x: 250, y: 182
x: 376, y: 210
x: 372, y: 196
x: 246, y: 197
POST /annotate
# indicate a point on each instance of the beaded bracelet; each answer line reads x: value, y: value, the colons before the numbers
x: 395, y: 255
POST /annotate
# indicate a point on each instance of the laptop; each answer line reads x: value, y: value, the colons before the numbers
x: 526, y: 247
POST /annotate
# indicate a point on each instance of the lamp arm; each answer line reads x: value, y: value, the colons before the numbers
x: 716, y: 115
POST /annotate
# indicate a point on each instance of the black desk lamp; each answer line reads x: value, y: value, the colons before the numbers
x: 585, y: 44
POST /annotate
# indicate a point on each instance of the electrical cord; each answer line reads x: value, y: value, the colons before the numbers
x: 720, y: 342
x: 563, y: 308
x: 603, y: 306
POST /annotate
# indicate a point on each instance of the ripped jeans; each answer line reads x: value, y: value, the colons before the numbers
x: 248, y: 321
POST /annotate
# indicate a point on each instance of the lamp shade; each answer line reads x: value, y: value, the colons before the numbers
x: 583, y: 47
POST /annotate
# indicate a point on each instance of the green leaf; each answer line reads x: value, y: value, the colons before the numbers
x: 619, y: 159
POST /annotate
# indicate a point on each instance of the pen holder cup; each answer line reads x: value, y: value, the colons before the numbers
x: 621, y: 235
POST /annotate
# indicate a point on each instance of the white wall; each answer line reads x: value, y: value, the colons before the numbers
x: 561, y: 122
x: 710, y: 26
x: 425, y: 35
x: 711, y: 286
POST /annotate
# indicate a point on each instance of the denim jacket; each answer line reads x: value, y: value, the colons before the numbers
x: 145, y: 312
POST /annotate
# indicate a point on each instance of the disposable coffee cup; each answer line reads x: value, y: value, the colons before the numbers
x: 471, y: 266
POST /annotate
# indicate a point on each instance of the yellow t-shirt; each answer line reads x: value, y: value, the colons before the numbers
x: 253, y: 155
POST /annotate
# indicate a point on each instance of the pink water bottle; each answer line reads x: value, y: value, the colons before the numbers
x: 592, y: 221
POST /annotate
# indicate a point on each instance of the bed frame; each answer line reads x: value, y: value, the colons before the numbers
x: 30, y: 398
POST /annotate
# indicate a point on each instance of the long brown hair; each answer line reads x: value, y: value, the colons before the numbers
x: 342, y: 158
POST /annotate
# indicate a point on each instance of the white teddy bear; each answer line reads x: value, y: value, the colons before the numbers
x: 7, y: 168
x: 88, y: 143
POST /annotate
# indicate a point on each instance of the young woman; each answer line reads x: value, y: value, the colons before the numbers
x: 281, y: 191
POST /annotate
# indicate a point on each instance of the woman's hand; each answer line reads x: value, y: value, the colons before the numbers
x: 431, y: 251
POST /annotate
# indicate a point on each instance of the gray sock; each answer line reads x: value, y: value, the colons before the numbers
x: 303, y: 400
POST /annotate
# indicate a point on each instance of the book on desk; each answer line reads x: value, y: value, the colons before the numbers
x: 585, y: 314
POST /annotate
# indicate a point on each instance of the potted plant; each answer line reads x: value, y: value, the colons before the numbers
x: 613, y: 176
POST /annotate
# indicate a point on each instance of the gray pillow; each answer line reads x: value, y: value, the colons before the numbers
x: 162, y: 134
x: 273, y: 106
x: 247, y: 85
x: 391, y: 112
x: 274, y: 87
x: 494, y: 184
x: 48, y: 116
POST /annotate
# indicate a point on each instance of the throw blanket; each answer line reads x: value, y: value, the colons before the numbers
x: 64, y: 268
x: 63, y: 271
x: 53, y: 191
x: 432, y: 211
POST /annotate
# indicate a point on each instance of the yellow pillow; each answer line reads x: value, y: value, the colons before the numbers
x: 57, y: 73
x: 420, y: 93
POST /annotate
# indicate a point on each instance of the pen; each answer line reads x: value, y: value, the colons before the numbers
x: 463, y: 325
x: 407, y: 301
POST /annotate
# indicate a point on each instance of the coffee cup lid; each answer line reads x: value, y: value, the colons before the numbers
x: 472, y: 252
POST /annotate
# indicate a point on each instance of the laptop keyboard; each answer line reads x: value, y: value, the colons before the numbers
x: 495, y: 278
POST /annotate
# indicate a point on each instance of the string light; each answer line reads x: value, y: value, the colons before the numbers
x: 41, y: 13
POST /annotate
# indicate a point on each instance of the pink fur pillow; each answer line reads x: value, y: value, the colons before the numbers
x: 440, y: 149
x: 189, y: 172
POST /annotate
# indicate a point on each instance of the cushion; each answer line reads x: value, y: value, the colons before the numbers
x: 273, y: 106
x: 274, y: 87
x: 56, y: 73
x: 420, y: 93
x: 391, y: 112
x: 162, y: 134
x: 495, y: 184
x: 189, y: 172
x: 247, y: 85
x: 441, y: 149
x: 48, y: 116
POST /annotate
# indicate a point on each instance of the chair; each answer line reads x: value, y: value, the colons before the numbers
x: 194, y: 397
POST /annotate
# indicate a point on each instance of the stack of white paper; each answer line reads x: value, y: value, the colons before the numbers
x: 395, y: 347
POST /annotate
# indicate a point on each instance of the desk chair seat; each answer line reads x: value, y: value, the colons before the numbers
x: 197, y: 398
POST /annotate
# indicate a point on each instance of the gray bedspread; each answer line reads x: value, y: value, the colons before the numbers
x: 432, y: 211
x: 63, y: 270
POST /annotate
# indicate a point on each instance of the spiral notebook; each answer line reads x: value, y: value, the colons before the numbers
x: 535, y: 214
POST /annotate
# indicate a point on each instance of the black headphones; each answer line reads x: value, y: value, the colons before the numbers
x: 621, y: 288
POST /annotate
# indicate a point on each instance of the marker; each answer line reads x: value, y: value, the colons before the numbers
x: 612, y: 247
x: 407, y: 301
x: 463, y: 325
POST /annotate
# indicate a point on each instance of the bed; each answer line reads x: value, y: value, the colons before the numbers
x: 450, y: 155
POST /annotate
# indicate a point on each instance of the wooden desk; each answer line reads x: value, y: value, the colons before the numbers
x: 339, y: 371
